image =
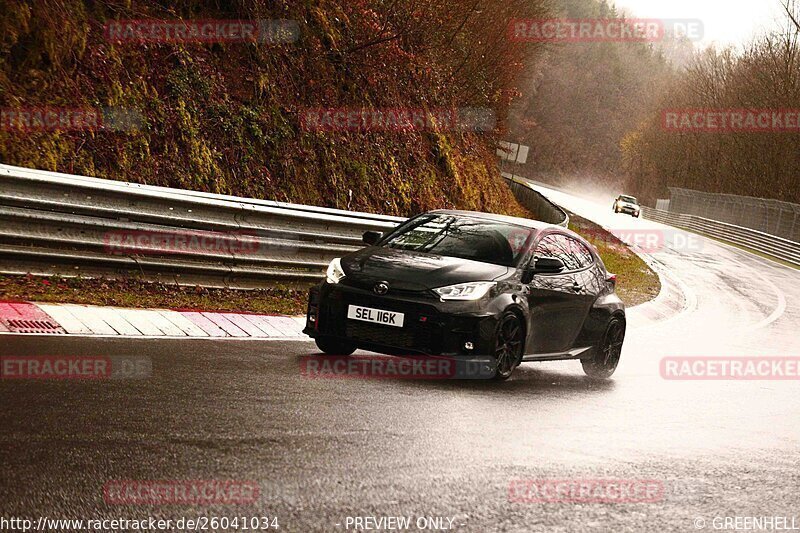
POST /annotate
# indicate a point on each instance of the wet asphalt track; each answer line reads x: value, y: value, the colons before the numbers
x: 323, y: 450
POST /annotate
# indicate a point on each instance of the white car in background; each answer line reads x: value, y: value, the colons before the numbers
x: 627, y: 204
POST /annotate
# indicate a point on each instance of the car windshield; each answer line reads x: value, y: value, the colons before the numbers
x: 629, y: 199
x: 476, y: 239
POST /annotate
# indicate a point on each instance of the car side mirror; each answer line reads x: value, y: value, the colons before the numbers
x: 527, y: 274
x: 548, y: 265
x: 371, y: 237
x: 543, y: 265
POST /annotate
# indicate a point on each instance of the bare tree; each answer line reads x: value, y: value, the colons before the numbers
x: 791, y: 8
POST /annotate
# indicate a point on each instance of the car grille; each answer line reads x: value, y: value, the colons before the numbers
x: 399, y: 337
x: 415, y: 334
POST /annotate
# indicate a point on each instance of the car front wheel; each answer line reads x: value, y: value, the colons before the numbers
x: 606, y: 358
x: 334, y: 346
x: 509, y: 342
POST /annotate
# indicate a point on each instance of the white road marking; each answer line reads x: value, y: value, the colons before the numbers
x: 202, y: 322
x: 92, y: 320
x: 109, y: 322
x: 286, y: 325
x: 161, y: 322
x: 245, y: 325
x: 141, y: 322
x: 113, y: 318
x: 226, y: 325
x: 262, y: 323
x: 780, y: 308
x: 66, y: 320
x: 188, y: 327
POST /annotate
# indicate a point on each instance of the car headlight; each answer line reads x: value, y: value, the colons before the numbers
x: 335, y: 272
x: 465, y: 291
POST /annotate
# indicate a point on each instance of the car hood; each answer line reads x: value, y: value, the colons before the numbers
x: 414, y: 271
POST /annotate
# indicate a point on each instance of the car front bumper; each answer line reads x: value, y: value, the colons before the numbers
x: 431, y: 327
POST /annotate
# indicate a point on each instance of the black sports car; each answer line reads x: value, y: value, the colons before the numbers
x: 495, y: 289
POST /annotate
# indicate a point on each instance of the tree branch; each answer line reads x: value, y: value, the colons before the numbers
x: 787, y: 6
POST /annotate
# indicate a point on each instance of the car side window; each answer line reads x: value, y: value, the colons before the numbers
x: 568, y: 255
x: 547, y: 247
x: 560, y: 247
x: 581, y: 252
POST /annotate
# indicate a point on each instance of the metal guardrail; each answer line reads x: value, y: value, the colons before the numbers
x: 773, y: 217
x: 538, y: 204
x: 59, y: 224
x: 765, y: 243
x: 66, y: 225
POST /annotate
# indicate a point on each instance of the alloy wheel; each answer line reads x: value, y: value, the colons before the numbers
x: 508, y: 345
x: 607, y: 356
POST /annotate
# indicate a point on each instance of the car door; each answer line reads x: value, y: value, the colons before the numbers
x: 556, y: 304
x: 589, y: 281
x: 594, y: 283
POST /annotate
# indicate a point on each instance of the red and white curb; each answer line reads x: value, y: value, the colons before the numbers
x: 74, y: 319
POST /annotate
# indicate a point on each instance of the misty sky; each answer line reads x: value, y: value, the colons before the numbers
x: 726, y: 22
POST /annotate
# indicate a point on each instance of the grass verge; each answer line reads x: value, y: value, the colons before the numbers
x: 636, y: 281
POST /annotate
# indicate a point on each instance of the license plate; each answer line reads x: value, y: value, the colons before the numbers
x: 377, y: 316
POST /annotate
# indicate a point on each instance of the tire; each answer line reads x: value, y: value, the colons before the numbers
x: 509, y: 343
x: 606, y: 358
x: 334, y: 346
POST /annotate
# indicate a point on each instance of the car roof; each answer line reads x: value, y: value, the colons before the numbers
x: 526, y: 222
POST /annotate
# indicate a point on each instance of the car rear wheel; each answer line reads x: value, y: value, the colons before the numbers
x: 606, y: 358
x: 509, y: 342
x: 334, y: 346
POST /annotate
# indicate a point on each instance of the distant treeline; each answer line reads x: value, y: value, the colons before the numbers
x: 595, y: 112
x: 760, y: 157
